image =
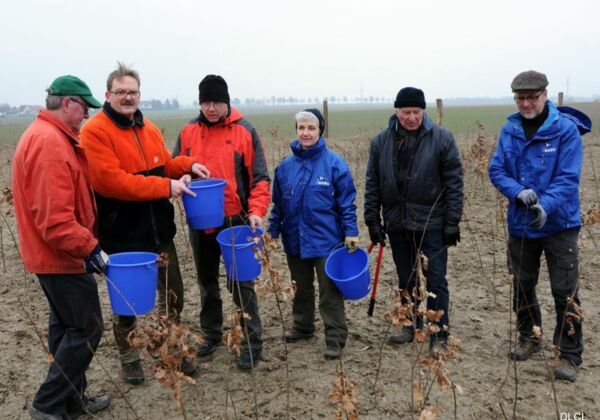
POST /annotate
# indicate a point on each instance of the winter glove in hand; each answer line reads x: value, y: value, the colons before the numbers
x: 97, y: 261
x: 451, y: 235
x: 351, y: 243
x: 377, y: 235
x: 540, y: 216
x: 526, y: 198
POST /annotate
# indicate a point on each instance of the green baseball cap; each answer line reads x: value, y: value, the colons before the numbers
x: 73, y: 86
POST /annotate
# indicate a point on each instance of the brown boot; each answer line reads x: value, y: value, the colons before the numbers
x: 133, y: 373
x: 333, y: 349
x: 566, y: 370
x: 525, y: 348
x: 293, y: 335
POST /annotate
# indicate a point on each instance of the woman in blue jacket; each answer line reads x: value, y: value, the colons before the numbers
x: 313, y: 211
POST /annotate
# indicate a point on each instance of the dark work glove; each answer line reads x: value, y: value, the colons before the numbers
x: 526, y: 198
x: 540, y: 216
x: 451, y: 235
x: 97, y: 261
x: 377, y: 235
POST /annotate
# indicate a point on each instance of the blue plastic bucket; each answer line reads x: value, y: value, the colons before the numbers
x: 205, y: 211
x: 349, y: 272
x: 132, y: 278
x: 238, y: 249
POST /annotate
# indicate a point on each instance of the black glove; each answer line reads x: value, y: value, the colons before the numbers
x: 451, y: 235
x: 377, y: 235
x: 540, y: 216
x: 526, y: 198
x: 97, y: 261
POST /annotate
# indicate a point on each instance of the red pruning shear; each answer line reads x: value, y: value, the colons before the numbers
x: 376, y: 280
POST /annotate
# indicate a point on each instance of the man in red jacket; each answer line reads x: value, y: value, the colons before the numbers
x: 134, y: 176
x: 230, y: 147
x: 56, y: 216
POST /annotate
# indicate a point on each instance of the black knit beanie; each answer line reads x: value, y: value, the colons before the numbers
x: 213, y: 88
x: 319, y: 116
x: 410, y: 97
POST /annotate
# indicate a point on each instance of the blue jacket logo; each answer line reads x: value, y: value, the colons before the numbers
x: 548, y: 148
x: 322, y: 181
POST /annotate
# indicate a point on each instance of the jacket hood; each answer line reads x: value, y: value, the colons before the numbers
x: 581, y: 120
x: 319, y: 147
x: 426, y: 125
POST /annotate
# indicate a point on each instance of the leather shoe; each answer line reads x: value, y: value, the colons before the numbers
x: 133, y: 373
x: 249, y: 358
x: 93, y: 405
x: 36, y: 414
x: 525, y: 348
x: 333, y: 349
x: 407, y: 335
x: 566, y: 370
x: 189, y: 368
x: 208, y: 347
x: 293, y: 335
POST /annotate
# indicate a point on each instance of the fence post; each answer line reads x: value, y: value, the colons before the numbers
x: 326, y: 116
x: 560, y: 98
x: 440, y: 111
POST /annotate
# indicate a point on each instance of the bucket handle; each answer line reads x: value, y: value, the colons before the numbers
x: 336, y: 247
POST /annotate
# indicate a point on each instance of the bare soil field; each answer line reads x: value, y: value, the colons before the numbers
x: 480, y: 316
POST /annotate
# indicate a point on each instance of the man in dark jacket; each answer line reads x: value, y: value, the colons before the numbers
x: 537, y: 166
x: 415, y: 178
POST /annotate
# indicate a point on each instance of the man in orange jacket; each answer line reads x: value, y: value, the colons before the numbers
x: 230, y: 147
x: 134, y: 176
x: 56, y: 217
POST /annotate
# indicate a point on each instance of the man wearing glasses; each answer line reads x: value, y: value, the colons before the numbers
x: 231, y: 148
x: 134, y: 176
x: 54, y: 207
x: 537, y: 166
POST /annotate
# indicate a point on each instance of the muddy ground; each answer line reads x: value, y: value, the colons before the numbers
x: 480, y: 317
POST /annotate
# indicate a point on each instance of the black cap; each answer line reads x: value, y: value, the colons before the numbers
x: 213, y: 88
x: 319, y: 116
x: 410, y: 97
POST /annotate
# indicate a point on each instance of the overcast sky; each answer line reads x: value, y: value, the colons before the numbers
x: 449, y: 48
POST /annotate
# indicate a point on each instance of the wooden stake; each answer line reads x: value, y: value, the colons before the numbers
x: 560, y: 98
x: 326, y: 116
x: 440, y: 111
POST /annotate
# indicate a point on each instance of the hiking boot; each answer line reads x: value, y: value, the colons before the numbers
x: 93, y: 405
x: 407, y: 335
x: 566, y: 370
x: 189, y: 368
x: 525, y: 348
x: 248, y: 358
x: 210, y: 345
x: 333, y: 350
x: 437, y: 347
x: 293, y: 335
x: 133, y: 373
x: 36, y: 414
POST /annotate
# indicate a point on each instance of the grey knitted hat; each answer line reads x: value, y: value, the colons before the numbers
x: 529, y: 80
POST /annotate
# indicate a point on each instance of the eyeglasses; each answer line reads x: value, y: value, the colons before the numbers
x: 83, y: 104
x: 529, y: 98
x: 125, y: 93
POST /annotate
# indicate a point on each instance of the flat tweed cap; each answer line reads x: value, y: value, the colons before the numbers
x: 529, y: 80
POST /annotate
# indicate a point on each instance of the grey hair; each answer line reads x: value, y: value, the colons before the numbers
x: 53, y: 102
x: 307, y: 116
x: 122, y: 70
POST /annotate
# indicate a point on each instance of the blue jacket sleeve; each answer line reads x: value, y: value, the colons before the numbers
x: 565, y: 180
x: 276, y: 210
x: 499, y: 176
x: 345, y: 194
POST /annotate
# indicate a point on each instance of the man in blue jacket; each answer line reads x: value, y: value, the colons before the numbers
x: 314, y: 211
x: 415, y: 178
x: 537, y: 166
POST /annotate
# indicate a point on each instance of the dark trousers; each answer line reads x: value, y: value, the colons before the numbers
x: 561, y: 253
x: 75, y: 323
x: 207, y: 254
x: 169, y: 284
x: 405, y: 248
x: 331, y: 300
